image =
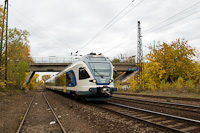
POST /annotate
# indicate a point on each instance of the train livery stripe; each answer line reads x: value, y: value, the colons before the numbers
x: 64, y: 90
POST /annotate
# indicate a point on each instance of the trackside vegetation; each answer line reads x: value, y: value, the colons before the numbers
x: 18, y: 58
x: 169, y: 67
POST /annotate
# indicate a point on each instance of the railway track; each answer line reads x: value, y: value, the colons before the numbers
x: 165, y: 121
x: 161, y: 97
x: 176, y: 106
x: 28, y: 110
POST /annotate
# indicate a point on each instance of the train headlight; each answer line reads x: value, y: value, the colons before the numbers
x: 111, y: 80
x: 94, y: 80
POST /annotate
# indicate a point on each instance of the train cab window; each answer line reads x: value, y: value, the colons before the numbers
x: 69, y: 77
x: 83, y: 74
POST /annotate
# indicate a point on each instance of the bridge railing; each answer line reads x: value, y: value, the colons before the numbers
x: 53, y: 59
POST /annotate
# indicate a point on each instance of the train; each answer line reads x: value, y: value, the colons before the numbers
x: 89, y: 78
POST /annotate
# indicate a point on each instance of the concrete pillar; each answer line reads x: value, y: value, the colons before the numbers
x: 29, y: 77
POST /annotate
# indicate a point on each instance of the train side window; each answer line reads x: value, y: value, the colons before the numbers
x: 83, y: 74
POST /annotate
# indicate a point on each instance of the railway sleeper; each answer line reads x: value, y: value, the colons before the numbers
x: 187, y: 129
x: 176, y: 125
x: 164, y: 122
x: 156, y: 119
x: 147, y: 117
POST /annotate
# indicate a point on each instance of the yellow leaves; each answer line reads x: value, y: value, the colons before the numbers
x: 172, y: 65
x: 176, y: 59
x: 45, y: 77
x: 117, y: 84
x: 18, y: 56
x: 2, y: 85
x: 2, y: 69
x: 132, y: 82
x: 32, y: 83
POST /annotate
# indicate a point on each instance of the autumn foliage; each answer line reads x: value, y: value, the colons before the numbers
x: 18, y: 57
x: 46, y: 77
x: 172, y: 66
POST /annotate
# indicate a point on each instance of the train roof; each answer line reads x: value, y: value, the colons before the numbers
x: 93, y: 57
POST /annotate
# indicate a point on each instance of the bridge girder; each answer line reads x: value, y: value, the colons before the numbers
x: 57, y: 67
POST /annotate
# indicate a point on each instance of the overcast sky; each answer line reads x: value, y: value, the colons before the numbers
x: 59, y: 27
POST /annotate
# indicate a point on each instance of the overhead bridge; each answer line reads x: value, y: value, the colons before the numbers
x: 57, y: 67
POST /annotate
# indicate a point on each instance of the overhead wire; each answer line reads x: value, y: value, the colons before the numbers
x: 38, y: 25
x: 43, y: 39
x: 122, y: 17
x: 105, y: 27
x: 174, y: 22
x: 120, y: 44
x: 163, y: 22
x: 156, y: 25
x: 125, y: 14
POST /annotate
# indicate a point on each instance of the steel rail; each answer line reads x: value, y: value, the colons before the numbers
x: 157, y: 113
x: 153, y: 96
x: 171, y: 117
x: 142, y: 120
x: 163, y: 103
x: 54, y: 114
x: 22, y: 122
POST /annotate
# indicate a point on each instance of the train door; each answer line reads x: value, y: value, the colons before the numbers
x: 70, y: 79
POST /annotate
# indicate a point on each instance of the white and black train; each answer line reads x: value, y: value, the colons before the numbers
x: 91, y: 77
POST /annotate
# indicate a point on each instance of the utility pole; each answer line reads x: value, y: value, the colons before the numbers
x: 1, y: 45
x: 139, y: 58
x: 6, y: 45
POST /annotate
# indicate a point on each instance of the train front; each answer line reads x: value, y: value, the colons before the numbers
x: 102, y: 83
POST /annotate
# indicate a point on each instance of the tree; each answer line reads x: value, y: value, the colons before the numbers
x: 115, y: 60
x: 32, y: 83
x: 124, y: 58
x: 45, y: 77
x: 20, y: 73
x: 153, y: 75
x: 18, y: 57
x: 175, y: 59
x: 18, y: 48
x: 2, y: 68
x: 133, y: 83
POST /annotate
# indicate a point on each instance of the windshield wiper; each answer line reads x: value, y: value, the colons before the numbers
x: 98, y: 73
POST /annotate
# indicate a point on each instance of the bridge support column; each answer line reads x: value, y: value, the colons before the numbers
x: 29, y: 77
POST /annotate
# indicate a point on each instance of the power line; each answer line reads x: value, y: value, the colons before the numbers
x: 124, y: 14
x: 37, y: 25
x: 175, y: 21
x: 43, y: 39
x: 120, y: 18
x: 171, y: 17
x: 120, y: 44
x: 105, y: 27
x: 152, y: 31
x: 163, y: 22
